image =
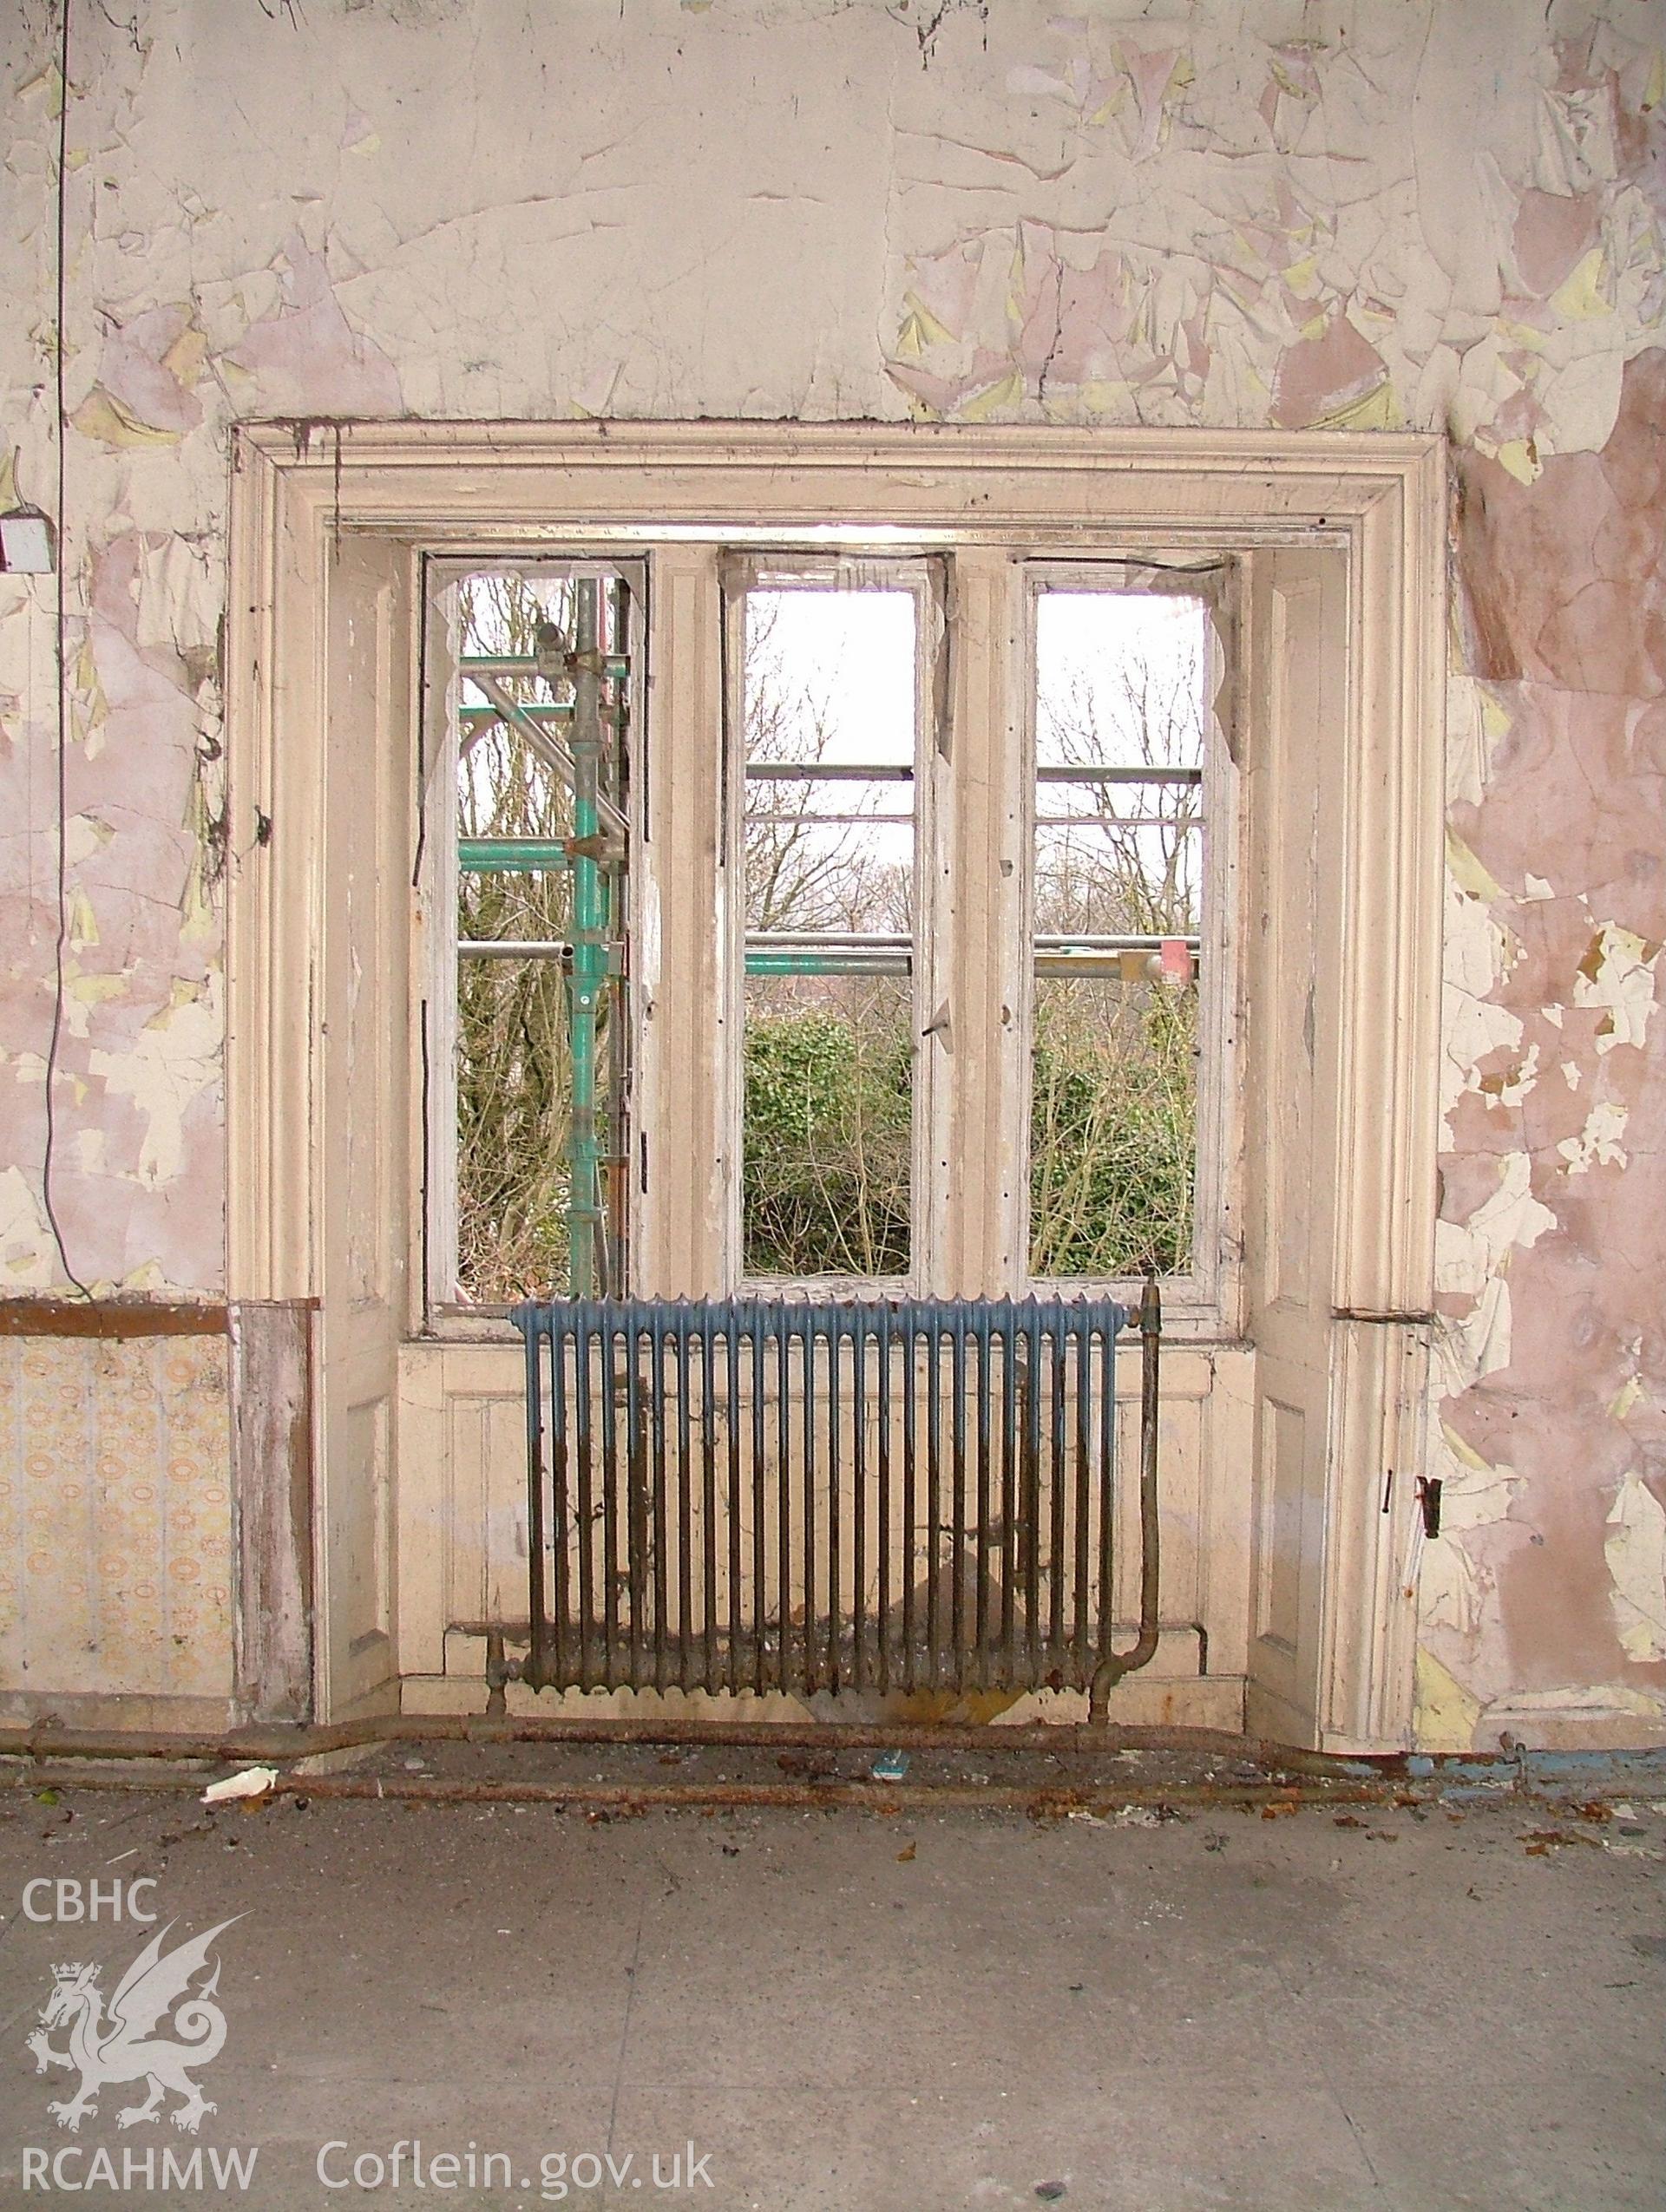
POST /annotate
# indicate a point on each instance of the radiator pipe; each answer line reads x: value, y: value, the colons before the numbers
x: 1113, y: 1667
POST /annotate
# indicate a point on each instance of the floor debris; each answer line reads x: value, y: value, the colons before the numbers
x: 251, y: 1782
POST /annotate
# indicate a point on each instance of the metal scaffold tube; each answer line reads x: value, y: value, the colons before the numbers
x: 588, y: 978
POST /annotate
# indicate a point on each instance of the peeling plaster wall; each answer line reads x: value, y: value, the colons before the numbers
x: 1353, y: 213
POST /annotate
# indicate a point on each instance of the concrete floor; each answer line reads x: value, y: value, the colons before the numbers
x: 1432, y: 2007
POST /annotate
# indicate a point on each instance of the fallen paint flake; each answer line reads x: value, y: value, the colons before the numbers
x: 1447, y: 1713
x: 250, y: 1781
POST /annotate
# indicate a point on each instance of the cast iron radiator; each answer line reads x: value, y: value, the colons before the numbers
x: 812, y: 1498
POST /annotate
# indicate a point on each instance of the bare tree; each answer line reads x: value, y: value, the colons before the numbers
x: 1135, y: 869
x: 803, y: 871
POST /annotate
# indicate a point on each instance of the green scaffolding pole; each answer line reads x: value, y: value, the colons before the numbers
x: 512, y: 856
x: 587, y: 979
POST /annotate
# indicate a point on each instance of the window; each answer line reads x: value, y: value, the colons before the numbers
x: 859, y: 896
x: 832, y: 716
x: 528, y: 838
x: 1119, y: 722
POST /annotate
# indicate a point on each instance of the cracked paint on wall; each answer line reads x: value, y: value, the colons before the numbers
x: 1350, y: 213
x: 1543, y: 1604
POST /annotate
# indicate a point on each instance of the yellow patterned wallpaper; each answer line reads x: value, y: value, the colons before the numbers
x: 116, y: 1530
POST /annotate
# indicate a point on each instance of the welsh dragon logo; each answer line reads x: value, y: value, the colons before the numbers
x: 120, y: 2044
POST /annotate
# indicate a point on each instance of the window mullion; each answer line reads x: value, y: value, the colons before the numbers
x: 979, y: 877
x: 685, y: 1145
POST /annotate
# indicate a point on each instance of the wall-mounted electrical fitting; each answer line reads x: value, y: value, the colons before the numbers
x: 26, y: 547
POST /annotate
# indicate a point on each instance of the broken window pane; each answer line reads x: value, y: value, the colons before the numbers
x: 1120, y: 721
x: 829, y: 696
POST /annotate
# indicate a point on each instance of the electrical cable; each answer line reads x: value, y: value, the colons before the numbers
x: 62, y: 666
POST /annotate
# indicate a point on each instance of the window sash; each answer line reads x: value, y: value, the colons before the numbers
x: 1213, y: 581
x: 909, y: 955
x: 973, y: 951
x: 450, y: 720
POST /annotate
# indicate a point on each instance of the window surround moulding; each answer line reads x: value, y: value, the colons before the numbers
x: 1376, y: 500
x: 463, y: 489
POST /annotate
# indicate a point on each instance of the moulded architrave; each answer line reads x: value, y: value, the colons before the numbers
x: 468, y: 487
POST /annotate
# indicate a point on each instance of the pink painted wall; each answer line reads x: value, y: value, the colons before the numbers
x: 1368, y: 214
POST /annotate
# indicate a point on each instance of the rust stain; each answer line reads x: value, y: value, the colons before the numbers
x: 112, y: 1319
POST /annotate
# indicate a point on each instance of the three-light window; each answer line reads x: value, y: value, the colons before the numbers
x: 848, y: 898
